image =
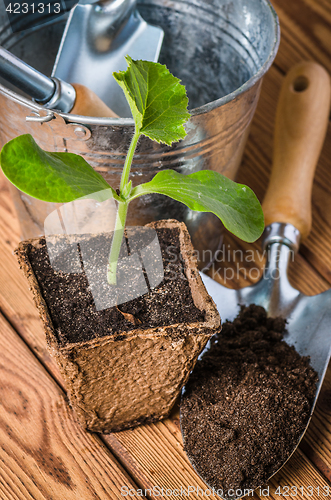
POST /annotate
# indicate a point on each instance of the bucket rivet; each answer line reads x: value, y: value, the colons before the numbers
x: 80, y: 131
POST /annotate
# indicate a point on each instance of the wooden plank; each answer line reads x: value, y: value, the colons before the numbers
x: 323, y: 8
x: 305, y: 27
x: 306, y: 34
x: 9, y: 224
x: 294, y: 475
x: 153, y: 454
x: 316, y: 444
x: 152, y: 467
x: 44, y: 452
x: 16, y: 302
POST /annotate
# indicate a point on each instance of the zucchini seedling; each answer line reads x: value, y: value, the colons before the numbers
x: 158, y: 104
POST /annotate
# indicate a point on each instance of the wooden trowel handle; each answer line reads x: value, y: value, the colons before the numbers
x: 89, y: 104
x: 301, y: 122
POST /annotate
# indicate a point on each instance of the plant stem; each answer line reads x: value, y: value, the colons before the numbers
x: 121, y: 214
x: 117, y: 242
x: 128, y: 160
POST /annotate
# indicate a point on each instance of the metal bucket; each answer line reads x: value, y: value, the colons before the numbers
x: 220, y: 49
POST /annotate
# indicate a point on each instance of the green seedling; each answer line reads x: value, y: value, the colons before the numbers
x: 158, y: 104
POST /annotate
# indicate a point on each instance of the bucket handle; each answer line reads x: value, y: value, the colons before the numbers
x: 39, y: 118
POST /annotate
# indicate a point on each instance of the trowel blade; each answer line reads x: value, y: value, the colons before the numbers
x: 89, y: 55
x: 308, y: 318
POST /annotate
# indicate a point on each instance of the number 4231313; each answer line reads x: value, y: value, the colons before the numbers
x: 31, y: 8
x: 303, y: 491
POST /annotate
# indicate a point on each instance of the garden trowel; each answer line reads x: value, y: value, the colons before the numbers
x: 97, y: 37
x: 52, y: 93
x: 301, y: 123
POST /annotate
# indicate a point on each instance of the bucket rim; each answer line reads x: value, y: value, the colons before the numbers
x: 205, y: 108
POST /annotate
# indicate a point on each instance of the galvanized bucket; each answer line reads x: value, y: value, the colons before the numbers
x: 220, y: 49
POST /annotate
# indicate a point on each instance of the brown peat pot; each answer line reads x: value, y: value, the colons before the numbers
x: 124, y: 365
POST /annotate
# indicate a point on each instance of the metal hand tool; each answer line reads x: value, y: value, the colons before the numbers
x: 52, y: 93
x: 97, y: 37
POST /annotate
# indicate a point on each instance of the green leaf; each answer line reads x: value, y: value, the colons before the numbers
x: 157, y: 100
x: 54, y: 177
x: 208, y: 191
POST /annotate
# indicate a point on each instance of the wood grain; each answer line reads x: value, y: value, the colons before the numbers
x: 44, y: 452
x: 9, y: 224
x: 16, y: 302
x: 154, y: 454
x: 294, y: 474
x: 305, y: 35
x: 305, y: 28
x: 316, y: 444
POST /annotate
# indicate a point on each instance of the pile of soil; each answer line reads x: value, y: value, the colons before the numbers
x: 247, y: 403
x: 72, y: 308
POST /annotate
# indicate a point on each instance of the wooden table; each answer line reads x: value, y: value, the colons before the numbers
x: 44, y: 454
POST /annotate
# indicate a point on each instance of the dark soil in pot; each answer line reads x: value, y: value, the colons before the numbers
x: 126, y: 364
x: 72, y: 306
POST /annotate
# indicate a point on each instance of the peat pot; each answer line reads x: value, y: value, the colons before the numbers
x: 220, y: 49
x: 124, y: 365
